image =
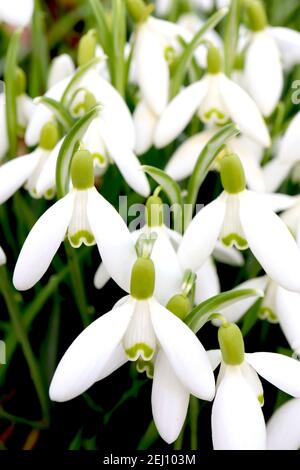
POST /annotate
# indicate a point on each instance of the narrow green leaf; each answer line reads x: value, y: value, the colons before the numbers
x: 80, y: 72
x: 11, y: 92
x: 204, y: 163
x: 119, y: 41
x: 76, y: 442
x: 231, y: 35
x: 59, y: 111
x: 186, y: 57
x: 200, y: 314
x: 151, y: 435
x: 40, y: 56
x: 67, y: 150
x: 104, y: 32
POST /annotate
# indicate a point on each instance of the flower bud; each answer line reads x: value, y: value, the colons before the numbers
x: 180, y: 305
x: 82, y: 170
x: 142, y: 281
x: 231, y: 344
x: 232, y: 174
x: 49, y: 136
x: 214, y: 60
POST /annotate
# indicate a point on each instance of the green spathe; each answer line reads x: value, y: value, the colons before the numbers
x: 49, y: 136
x: 231, y: 344
x: 232, y: 174
x: 138, y: 11
x: 214, y: 60
x: 142, y: 279
x: 82, y: 170
x: 257, y: 15
x: 180, y: 305
x: 154, y: 211
x: 87, y: 48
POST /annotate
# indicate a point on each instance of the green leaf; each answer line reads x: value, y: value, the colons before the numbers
x: 11, y: 92
x: 200, y: 314
x: 119, y: 41
x: 76, y: 442
x: 39, y: 56
x: 59, y: 111
x: 204, y: 163
x: 80, y: 72
x: 104, y: 32
x: 231, y: 35
x: 186, y: 57
x: 67, y: 150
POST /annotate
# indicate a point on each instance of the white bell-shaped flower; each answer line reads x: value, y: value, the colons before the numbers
x: 16, y: 12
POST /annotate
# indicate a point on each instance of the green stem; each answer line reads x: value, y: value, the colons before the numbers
x: 193, y: 419
x: 20, y: 420
x: 20, y: 331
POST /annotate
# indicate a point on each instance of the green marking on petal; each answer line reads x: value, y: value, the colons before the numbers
x: 99, y: 160
x: 140, y: 350
x: 236, y: 240
x: 49, y: 194
x: 214, y: 112
x: 266, y: 313
x: 81, y: 237
x: 145, y: 366
x: 261, y: 400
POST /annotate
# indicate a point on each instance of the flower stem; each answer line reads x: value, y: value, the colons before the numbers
x: 20, y: 331
x: 193, y: 419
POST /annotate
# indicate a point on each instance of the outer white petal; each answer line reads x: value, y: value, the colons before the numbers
x: 288, y: 41
x: 183, y: 161
x: 145, y: 122
x: 61, y: 67
x: 126, y: 160
x: 3, y: 128
x: 252, y: 379
x: 244, y: 112
x: 282, y: 371
x: 14, y: 173
x: 179, y: 112
x: 162, y: 7
x: 287, y: 311
x: 2, y: 257
x: 275, y: 172
x: 283, y: 428
x: 16, y: 12
x: 228, y: 255
x: 215, y: 357
x: 207, y: 283
x: 152, y: 68
x: 101, y: 277
x: 113, y: 239
x: 289, y: 149
x: 42, y: 243
x: 47, y: 178
x: 250, y: 158
x: 201, y: 235
x: 25, y: 108
x: 263, y: 72
x: 237, y: 419
x: 170, y: 400
x: 278, y: 202
x: 270, y: 241
x: 184, y: 351
x: 85, y: 361
x: 116, y: 360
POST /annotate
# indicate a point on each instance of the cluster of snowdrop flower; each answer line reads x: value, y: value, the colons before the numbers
x: 166, y: 274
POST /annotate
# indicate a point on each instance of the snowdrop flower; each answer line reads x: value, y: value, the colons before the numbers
x: 61, y: 67
x: 16, y: 12
x: 26, y: 170
x: 283, y: 429
x: 87, y: 218
x: 2, y: 257
x: 183, y: 161
x: 135, y: 330
x: 216, y: 99
x: 25, y: 108
x: 242, y: 218
x: 278, y: 169
x: 237, y: 420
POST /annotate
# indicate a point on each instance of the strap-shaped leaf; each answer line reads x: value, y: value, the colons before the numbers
x: 119, y: 41
x: 231, y: 35
x: 59, y: 111
x: 67, y: 150
x: 200, y: 314
x: 80, y: 72
x: 186, y: 57
x: 102, y: 25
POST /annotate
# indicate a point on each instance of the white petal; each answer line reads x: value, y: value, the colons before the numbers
x: 42, y: 243
x: 89, y: 356
x: 25, y: 108
x: 283, y: 428
x: 170, y: 400
x: 183, y: 161
x: 281, y: 371
x: 250, y: 158
x: 270, y: 241
x: 253, y: 380
x: 288, y: 41
x: 244, y: 112
x: 289, y: 151
x: 101, y: 277
x: 61, y: 67
x: 287, y: 311
x: 17, y: 12
x: 184, y: 351
x: 215, y: 357
x: 237, y: 419
x: 263, y: 72
x: 113, y: 239
x: 201, y: 235
x: 47, y: 177
x: 152, y: 68
x: 207, y: 282
x: 14, y: 173
x: 275, y: 172
x: 228, y: 255
x: 179, y: 112
x: 2, y: 257
x: 3, y: 128
x: 278, y: 202
x: 144, y: 121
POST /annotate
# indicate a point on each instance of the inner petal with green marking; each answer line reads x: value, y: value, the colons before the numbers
x: 212, y: 109
x: 79, y: 231
x: 232, y: 233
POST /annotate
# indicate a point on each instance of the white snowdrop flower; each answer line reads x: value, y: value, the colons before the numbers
x: 2, y: 257
x: 216, y: 99
x: 137, y: 329
x: 145, y: 122
x: 16, y: 12
x: 288, y: 41
x: 26, y: 170
x: 245, y: 219
x: 288, y: 156
x: 283, y: 428
x: 237, y: 420
x: 86, y: 217
x: 183, y: 161
x: 61, y: 67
